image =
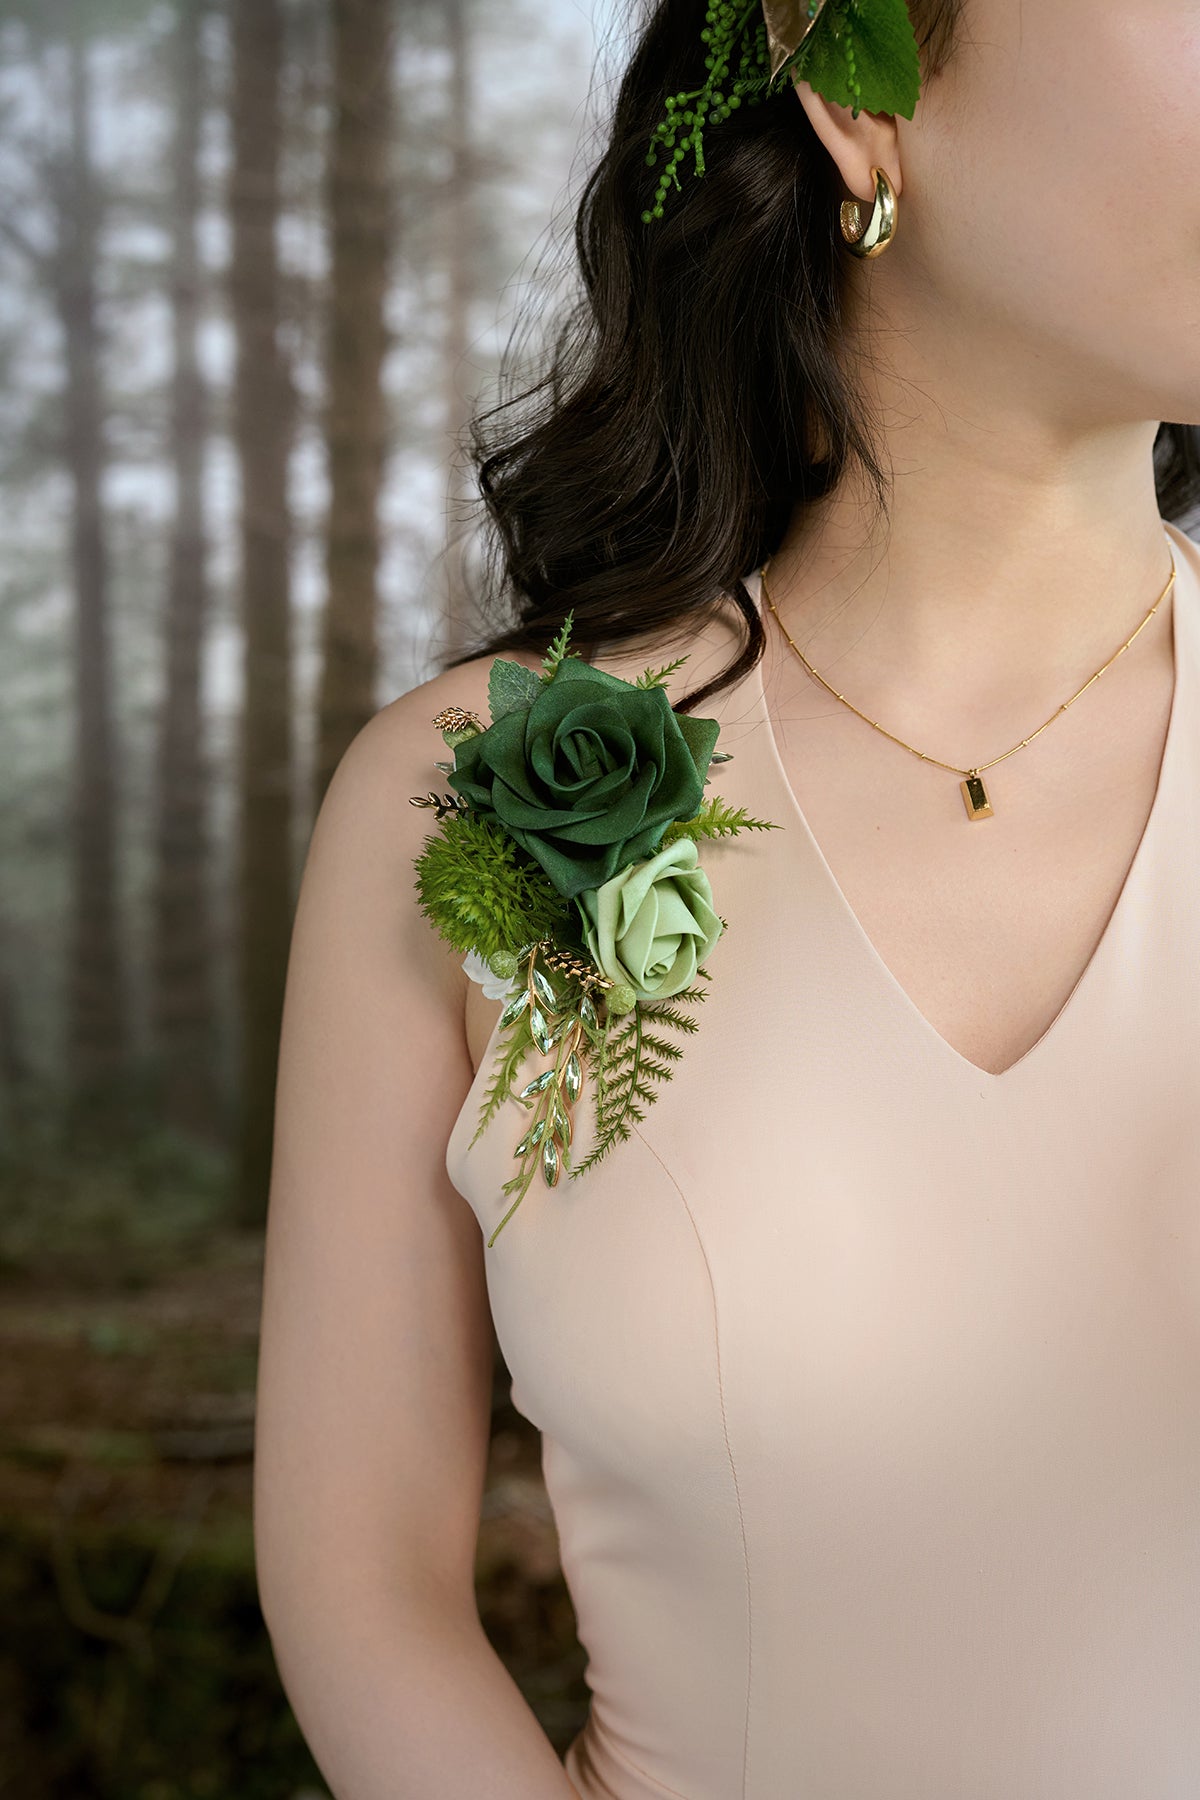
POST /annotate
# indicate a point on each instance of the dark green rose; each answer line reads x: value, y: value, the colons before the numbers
x: 587, y: 777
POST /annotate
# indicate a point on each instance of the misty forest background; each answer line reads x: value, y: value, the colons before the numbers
x: 258, y: 261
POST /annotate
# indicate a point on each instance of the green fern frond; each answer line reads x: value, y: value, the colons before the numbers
x: 657, y: 677
x: 482, y: 891
x: 558, y: 649
x: 627, y: 1064
x: 667, y: 1015
x: 717, y: 818
x: 514, y: 1045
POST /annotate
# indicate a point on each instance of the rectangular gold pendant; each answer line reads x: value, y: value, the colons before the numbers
x: 975, y: 798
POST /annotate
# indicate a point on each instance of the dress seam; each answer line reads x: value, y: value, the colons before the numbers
x: 618, y: 1754
x: 729, y: 1454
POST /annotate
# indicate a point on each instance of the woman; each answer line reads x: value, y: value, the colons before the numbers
x: 867, y: 1368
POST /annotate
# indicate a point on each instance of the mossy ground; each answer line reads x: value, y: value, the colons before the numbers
x: 134, y: 1663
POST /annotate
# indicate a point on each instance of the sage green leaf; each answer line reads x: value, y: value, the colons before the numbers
x: 511, y: 688
x: 700, y: 735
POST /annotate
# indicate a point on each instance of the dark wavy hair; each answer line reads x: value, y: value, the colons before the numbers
x: 664, y: 449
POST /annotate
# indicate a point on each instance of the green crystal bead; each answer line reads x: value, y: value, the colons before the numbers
x: 516, y: 1004
x: 550, y: 1162
x: 545, y: 991
x: 539, y: 1029
x: 532, y: 1138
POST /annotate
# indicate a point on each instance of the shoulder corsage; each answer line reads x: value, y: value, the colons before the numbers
x: 566, y: 869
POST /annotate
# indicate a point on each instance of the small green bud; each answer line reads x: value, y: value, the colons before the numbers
x: 620, y: 999
x: 503, y: 964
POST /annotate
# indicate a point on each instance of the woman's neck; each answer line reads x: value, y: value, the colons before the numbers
x: 990, y: 583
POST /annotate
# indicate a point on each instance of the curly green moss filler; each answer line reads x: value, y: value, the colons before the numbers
x: 483, y: 892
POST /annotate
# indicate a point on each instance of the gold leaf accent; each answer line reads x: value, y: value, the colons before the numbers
x: 445, y: 803
x: 788, y: 24
x: 456, y: 718
x: 576, y: 968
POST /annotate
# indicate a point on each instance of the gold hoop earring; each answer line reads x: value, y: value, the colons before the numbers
x: 873, y: 238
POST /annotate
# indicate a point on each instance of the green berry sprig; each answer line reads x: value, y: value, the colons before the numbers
x: 687, y: 113
x: 850, y: 40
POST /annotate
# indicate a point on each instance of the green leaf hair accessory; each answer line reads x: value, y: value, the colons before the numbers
x: 566, y: 869
x: 857, y: 53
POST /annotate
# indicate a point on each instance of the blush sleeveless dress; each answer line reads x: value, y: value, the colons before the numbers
x: 869, y: 1381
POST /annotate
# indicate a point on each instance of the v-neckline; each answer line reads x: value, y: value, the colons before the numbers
x: 1181, y: 697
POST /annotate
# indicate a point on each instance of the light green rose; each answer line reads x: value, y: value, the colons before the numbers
x: 653, y: 923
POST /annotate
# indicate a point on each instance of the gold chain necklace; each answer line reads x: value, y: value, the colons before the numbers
x: 974, y: 793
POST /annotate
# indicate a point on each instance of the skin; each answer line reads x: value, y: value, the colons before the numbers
x: 375, y: 1366
x: 1035, y: 316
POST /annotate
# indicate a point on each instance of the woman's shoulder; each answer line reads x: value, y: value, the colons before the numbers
x: 402, y: 732
x: 703, y: 640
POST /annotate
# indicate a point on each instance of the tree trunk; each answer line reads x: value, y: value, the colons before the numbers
x: 182, y: 1003
x: 459, y: 241
x: 16, y: 1070
x: 358, y: 206
x: 262, y: 426
x: 97, y: 1015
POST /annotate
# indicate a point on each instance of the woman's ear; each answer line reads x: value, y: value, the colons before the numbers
x: 856, y: 145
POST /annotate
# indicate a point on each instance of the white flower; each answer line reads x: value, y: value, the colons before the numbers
x: 495, y: 987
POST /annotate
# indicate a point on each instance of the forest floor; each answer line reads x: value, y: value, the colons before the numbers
x: 126, y: 1557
